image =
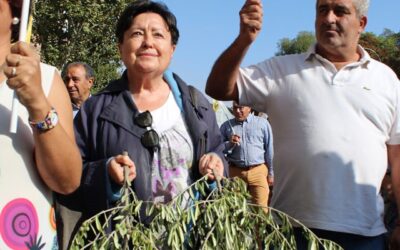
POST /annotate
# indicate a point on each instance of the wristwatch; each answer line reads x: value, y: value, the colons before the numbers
x: 49, y: 122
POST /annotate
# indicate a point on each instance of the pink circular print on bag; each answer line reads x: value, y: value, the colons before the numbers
x: 19, y: 223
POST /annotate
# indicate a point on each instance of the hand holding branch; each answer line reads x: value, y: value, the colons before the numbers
x: 211, y: 164
x: 116, y: 168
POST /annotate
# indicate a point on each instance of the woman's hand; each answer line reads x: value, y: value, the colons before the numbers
x: 24, y: 76
x: 116, y: 168
x: 210, y: 162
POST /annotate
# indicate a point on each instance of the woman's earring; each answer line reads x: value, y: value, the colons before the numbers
x: 15, y: 20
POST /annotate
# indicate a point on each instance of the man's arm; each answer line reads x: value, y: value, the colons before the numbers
x: 269, y: 148
x: 394, y: 162
x: 221, y: 83
x: 226, y: 135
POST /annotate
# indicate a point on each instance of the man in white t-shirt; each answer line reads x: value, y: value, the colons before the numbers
x: 335, y: 115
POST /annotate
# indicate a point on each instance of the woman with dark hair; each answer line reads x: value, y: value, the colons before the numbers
x: 42, y: 155
x: 171, y: 138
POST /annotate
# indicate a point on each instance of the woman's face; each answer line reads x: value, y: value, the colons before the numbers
x: 147, y: 46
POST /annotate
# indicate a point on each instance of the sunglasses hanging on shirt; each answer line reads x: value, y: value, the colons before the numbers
x: 150, y: 138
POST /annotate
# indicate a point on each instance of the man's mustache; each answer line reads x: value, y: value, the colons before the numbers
x: 331, y: 27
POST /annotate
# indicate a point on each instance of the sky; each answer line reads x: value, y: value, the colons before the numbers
x: 208, y: 27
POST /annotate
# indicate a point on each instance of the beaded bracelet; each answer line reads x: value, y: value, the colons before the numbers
x: 49, y: 122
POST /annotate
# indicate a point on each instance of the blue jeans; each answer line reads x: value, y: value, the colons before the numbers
x: 345, y: 240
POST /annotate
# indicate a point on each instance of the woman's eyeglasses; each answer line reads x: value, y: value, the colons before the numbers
x: 150, y: 138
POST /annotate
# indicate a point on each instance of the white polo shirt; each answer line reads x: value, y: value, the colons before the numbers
x: 330, y: 133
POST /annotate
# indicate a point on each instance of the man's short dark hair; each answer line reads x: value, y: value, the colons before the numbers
x: 144, y: 6
x: 89, y: 70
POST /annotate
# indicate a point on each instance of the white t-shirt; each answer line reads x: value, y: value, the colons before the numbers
x: 25, y: 202
x: 172, y: 163
x: 330, y: 133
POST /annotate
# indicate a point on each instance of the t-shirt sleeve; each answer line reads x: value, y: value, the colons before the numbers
x: 253, y: 85
x: 394, y: 138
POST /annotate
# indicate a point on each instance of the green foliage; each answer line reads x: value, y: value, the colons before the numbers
x: 300, y: 44
x: 79, y: 30
x: 223, y: 219
x: 385, y: 48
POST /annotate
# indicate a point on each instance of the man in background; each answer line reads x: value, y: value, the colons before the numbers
x: 79, y: 79
x: 249, y: 151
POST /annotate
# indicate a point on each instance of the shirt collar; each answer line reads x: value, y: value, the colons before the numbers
x: 364, y: 60
x: 122, y: 84
x: 248, y: 119
x: 74, y: 106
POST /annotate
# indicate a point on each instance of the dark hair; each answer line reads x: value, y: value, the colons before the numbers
x: 143, y: 6
x: 89, y: 70
x: 16, y: 9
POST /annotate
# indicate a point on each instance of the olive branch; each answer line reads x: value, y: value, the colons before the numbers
x: 224, y: 218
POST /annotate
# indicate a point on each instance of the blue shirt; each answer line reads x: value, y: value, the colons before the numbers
x: 256, y: 144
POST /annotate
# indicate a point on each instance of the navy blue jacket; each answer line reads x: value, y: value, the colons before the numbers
x: 105, y: 127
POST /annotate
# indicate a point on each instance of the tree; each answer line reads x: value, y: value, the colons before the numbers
x: 385, y: 48
x: 300, y: 44
x: 81, y: 30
